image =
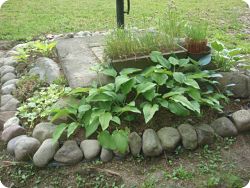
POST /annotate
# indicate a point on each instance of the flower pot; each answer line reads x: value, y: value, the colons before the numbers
x: 194, y: 46
x: 198, y: 56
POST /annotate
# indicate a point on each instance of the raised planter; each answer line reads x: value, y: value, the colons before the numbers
x: 142, y: 62
x: 198, y: 56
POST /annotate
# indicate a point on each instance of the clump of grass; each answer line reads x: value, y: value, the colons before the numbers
x: 196, y: 31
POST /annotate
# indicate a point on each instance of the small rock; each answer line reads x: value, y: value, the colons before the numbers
x: 46, y: 69
x: 4, y: 116
x: 5, y: 99
x: 45, y: 153
x: 12, y: 121
x: 26, y: 148
x: 151, y: 145
x: 12, y: 132
x: 43, y: 131
x: 188, y: 136
x: 224, y: 127
x: 14, y: 81
x: 6, y: 69
x: 9, y: 89
x: 11, y: 105
x: 90, y: 148
x: 7, y: 77
x: 205, y: 134
x: 106, y: 155
x: 70, y: 35
x: 11, y: 53
x: 241, y: 119
x: 135, y: 143
x: 12, y: 144
x: 169, y: 137
x: 11, y: 61
x: 69, y: 153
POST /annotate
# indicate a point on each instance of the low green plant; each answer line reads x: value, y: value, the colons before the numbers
x: 39, y: 105
x: 136, y: 92
x: 181, y: 173
x: 45, y: 48
x: 223, y: 58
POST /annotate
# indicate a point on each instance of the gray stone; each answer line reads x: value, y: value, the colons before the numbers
x: 12, y: 132
x: 83, y: 34
x: 10, y: 122
x: 106, y: 155
x: 77, y: 59
x: 135, y: 143
x: 13, y: 142
x: 26, y: 148
x: 121, y: 155
x: 7, y: 77
x: 224, y: 127
x: 5, y: 99
x: 43, y: 131
x: 11, y: 53
x: 11, y: 105
x: 9, y: 89
x: 241, y: 120
x: 151, y: 145
x: 69, y: 153
x: 240, y: 82
x: 20, y: 46
x: 14, y: 81
x: 188, y: 136
x: 5, y: 45
x: 90, y: 149
x: 169, y: 137
x: 6, y: 69
x: 46, y: 69
x: 4, y: 116
x: 205, y: 134
x: 45, y: 153
x: 11, y: 61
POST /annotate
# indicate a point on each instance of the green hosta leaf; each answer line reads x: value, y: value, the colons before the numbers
x: 116, y: 119
x: 218, y: 46
x: 110, y: 72
x: 119, y: 80
x: 184, y: 101
x: 59, y: 131
x: 173, y: 61
x: 127, y: 87
x: 179, y: 77
x: 149, y: 111
x: 177, y: 91
x: 159, y: 78
x: 60, y: 113
x: 192, y: 83
x: 178, y: 109
x: 194, y: 94
x: 84, y: 108
x: 196, y: 106
x: 164, y: 103
x: 106, y: 140
x: 184, y: 62
x: 99, y: 97
x: 154, y: 56
x: 109, y: 87
x: 127, y: 108
x: 104, y: 120
x: 234, y: 52
x: 79, y: 90
x: 128, y: 71
x: 199, y: 75
x: 71, y: 128
x: 120, y: 139
x: 91, y: 127
x: 145, y: 86
x: 150, y: 95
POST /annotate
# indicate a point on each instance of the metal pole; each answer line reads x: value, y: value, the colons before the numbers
x: 120, y: 13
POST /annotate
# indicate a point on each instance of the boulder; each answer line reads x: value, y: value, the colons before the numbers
x: 13, y: 142
x: 43, y: 131
x: 4, y: 116
x: 45, y: 153
x: 46, y: 69
x: 241, y: 120
x: 135, y: 143
x: 6, y: 69
x: 26, y: 148
x: 205, y: 134
x: 106, y: 155
x: 224, y: 127
x: 7, y: 77
x: 9, y: 89
x: 12, y: 132
x: 151, y: 145
x: 14, y: 81
x: 10, y: 60
x: 5, y: 99
x: 12, y: 121
x: 11, y: 105
x: 69, y: 153
x: 90, y: 149
x: 188, y: 136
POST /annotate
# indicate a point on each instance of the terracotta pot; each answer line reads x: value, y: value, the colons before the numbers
x: 196, y: 47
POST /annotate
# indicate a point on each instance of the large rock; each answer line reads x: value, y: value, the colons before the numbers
x: 13, y: 142
x: 240, y: 84
x: 205, y: 134
x: 47, y: 69
x: 14, y: 81
x: 106, y: 155
x: 11, y: 105
x: 90, y: 148
x: 241, y: 120
x: 4, y: 116
x: 69, y: 153
x: 151, y: 145
x: 7, y: 77
x: 26, y: 148
x: 224, y: 127
x: 45, y: 153
x: 43, y: 131
x: 135, y: 143
x: 10, y: 60
x: 188, y: 136
x: 12, y: 121
x: 12, y: 132
x: 5, y: 99
x: 6, y: 69
x: 9, y: 89
x: 169, y: 137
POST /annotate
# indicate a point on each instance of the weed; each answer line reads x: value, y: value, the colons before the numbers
x: 181, y: 174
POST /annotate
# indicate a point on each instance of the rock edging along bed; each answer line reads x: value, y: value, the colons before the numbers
x: 41, y: 148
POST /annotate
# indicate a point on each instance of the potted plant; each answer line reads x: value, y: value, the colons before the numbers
x: 196, y: 40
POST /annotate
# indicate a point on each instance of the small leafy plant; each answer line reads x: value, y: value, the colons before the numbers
x: 45, y: 48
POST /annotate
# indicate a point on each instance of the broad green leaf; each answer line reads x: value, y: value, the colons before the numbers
x: 218, y: 46
x: 127, y: 108
x: 164, y: 103
x: 84, y: 108
x: 192, y: 83
x: 116, y: 119
x: 127, y: 87
x: 104, y: 120
x: 150, y: 95
x: 120, y: 139
x: 154, y: 56
x: 119, y: 80
x: 92, y: 127
x: 149, y: 111
x: 106, y: 140
x: 59, y: 131
x: 60, y: 113
x: 109, y: 87
x: 184, y: 62
x: 71, y: 128
x: 145, y: 86
x: 184, y: 101
x: 178, y: 109
x: 235, y: 52
x: 179, y: 77
x: 173, y: 61
x: 159, y: 78
x: 110, y: 72
x: 79, y: 90
x: 128, y: 71
x: 99, y: 97
x: 194, y: 94
x: 177, y: 91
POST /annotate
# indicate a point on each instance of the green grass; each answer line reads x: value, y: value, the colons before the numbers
x: 24, y: 19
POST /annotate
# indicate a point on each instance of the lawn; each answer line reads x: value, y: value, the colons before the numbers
x: 24, y: 19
